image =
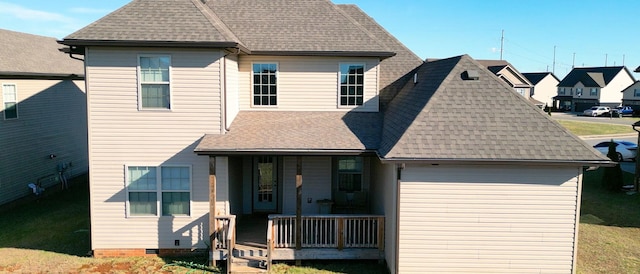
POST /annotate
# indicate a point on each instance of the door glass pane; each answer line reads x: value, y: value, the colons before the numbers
x: 266, y: 179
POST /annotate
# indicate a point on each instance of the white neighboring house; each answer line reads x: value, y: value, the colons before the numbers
x: 545, y: 86
x: 631, y: 96
x: 235, y: 118
x: 585, y: 87
x: 43, y: 120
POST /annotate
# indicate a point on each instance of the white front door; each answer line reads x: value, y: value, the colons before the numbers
x: 265, y: 184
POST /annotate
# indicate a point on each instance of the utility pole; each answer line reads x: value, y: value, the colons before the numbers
x: 623, y: 60
x: 605, y: 59
x: 501, y: 44
x: 573, y: 65
x: 554, y: 60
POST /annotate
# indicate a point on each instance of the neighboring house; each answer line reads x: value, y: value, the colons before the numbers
x: 631, y: 96
x: 510, y: 75
x: 43, y: 122
x: 545, y: 86
x: 585, y: 87
x: 213, y: 113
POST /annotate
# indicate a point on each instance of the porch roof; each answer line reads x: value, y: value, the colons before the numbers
x: 288, y: 133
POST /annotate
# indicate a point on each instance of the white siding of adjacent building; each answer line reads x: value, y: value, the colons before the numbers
x: 121, y: 135
x: 51, y: 120
x: 546, y: 89
x: 316, y: 183
x: 231, y: 82
x: 506, y: 219
x: 612, y: 93
x: 307, y: 83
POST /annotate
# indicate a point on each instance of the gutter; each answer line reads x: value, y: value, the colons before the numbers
x: 286, y: 152
x: 604, y: 163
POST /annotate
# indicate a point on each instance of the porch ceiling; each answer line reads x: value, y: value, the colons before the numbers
x: 288, y: 132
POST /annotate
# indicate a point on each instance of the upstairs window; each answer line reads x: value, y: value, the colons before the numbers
x: 350, y: 174
x: 10, y: 98
x: 521, y: 91
x: 636, y: 92
x: 351, y: 84
x: 165, y: 189
x: 579, y: 92
x: 593, y: 92
x: 154, y: 82
x: 561, y: 91
x: 265, y: 88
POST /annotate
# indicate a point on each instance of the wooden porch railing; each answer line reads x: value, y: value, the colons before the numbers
x: 327, y: 231
x: 225, y: 236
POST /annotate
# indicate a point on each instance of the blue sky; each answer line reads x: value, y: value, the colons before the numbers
x: 583, y: 32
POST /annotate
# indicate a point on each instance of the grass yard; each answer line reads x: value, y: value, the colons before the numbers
x: 609, y: 238
x: 588, y: 128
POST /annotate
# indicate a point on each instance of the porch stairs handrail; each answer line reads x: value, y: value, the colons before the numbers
x: 226, y: 236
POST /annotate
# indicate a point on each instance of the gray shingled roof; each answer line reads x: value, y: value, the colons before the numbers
x: 593, y: 76
x: 154, y: 20
x: 301, y: 27
x: 445, y: 117
x: 283, y: 132
x: 394, y: 71
x: 30, y: 55
x: 536, y: 77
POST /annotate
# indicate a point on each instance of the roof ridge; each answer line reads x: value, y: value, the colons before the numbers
x: 390, y: 35
x: 358, y: 25
x: 216, y: 22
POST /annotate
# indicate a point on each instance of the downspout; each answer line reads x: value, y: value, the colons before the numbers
x: 399, y: 168
x: 223, y: 115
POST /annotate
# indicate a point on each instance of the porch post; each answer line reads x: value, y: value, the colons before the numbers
x: 212, y: 207
x: 299, y: 202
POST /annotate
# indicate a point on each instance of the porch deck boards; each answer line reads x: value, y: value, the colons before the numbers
x: 251, y: 230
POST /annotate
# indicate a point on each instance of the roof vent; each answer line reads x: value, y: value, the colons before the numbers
x: 470, y: 75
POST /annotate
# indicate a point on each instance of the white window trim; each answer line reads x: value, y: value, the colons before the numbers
x: 277, y: 85
x: 364, y: 86
x: 4, y: 101
x: 158, y: 191
x: 139, y: 75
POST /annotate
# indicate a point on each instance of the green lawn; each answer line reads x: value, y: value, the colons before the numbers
x: 609, y: 238
x: 587, y: 128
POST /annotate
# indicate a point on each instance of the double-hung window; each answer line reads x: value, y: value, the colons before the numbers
x: 349, y: 174
x: 165, y: 190
x: 579, y: 92
x: 593, y: 92
x: 636, y: 92
x: 561, y: 91
x: 10, y: 98
x: 351, y: 84
x: 155, y: 82
x: 265, y: 86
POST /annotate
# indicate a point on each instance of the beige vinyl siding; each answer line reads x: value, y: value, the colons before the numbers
x: 612, y: 93
x: 507, y: 219
x: 51, y: 120
x: 121, y: 135
x: 316, y: 183
x: 231, y: 73
x: 628, y: 93
x: 307, y: 83
x: 545, y: 90
x: 383, y: 197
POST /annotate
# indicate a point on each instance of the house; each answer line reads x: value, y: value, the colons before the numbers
x: 544, y: 86
x: 631, y: 96
x: 585, y: 87
x: 516, y: 80
x: 43, y: 120
x: 212, y: 116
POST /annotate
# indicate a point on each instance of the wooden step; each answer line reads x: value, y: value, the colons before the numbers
x: 248, y: 265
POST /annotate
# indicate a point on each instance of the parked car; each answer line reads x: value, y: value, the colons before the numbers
x: 596, y: 111
x: 622, y: 111
x: 624, y: 150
